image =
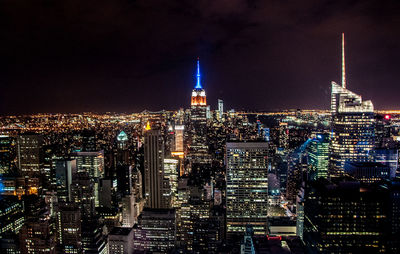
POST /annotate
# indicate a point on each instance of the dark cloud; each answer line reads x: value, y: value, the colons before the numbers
x: 128, y: 55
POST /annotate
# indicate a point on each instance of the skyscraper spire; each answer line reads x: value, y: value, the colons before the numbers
x: 198, y: 84
x: 343, y: 64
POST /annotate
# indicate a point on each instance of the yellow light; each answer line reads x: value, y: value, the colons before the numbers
x: 147, y: 128
x: 178, y: 154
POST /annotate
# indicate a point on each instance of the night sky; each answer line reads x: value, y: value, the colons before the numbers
x: 127, y: 56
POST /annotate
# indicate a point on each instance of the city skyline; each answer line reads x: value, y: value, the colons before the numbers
x: 271, y: 56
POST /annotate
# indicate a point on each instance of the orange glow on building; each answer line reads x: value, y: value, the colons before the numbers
x: 178, y: 154
x: 199, y: 97
x: 148, y: 127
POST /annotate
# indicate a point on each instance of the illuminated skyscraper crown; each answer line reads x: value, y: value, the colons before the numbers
x: 344, y: 100
x: 198, y: 93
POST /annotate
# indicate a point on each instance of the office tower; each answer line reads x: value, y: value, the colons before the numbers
x: 300, y: 212
x: 11, y: 215
x: 200, y: 226
x: 283, y: 141
x: 220, y: 109
x: 344, y: 217
x: 153, y: 166
x: 179, y: 145
x: 9, y: 243
x: 383, y: 131
x: 296, y: 175
x: 7, y: 145
x: 106, y: 193
x: 352, y: 135
x: 190, y: 214
x: 120, y: 241
x: 93, y: 164
x: 388, y: 157
x: 155, y: 231
x: 83, y: 194
x: 208, y: 112
x: 246, y: 187
x: 137, y: 184
x: 124, y: 179
x: 394, y: 217
x: 170, y: 182
x: 64, y: 170
x: 48, y: 175
x: 129, y: 212
x: 88, y: 141
x: 38, y: 233
x: 93, y: 239
x: 367, y: 172
x: 318, y: 156
x: 69, y: 228
x: 29, y: 154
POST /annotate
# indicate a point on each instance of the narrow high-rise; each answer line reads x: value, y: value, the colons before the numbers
x: 198, y: 149
x: 153, y: 166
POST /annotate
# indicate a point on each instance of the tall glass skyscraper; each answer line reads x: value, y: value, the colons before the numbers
x: 318, y: 156
x: 352, y: 132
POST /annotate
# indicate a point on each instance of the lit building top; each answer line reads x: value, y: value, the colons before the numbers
x: 122, y: 136
x: 198, y: 93
x: 345, y: 101
x: 148, y: 127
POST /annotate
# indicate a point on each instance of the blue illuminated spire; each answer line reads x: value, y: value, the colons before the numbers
x: 198, y: 84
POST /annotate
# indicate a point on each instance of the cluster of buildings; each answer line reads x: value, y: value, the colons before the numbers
x: 198, y: 180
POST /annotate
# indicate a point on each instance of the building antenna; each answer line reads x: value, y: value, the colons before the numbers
x: 343, y: 64
x: 198, y: 84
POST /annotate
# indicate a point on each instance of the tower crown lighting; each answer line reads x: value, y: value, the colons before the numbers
x: 198, y: 93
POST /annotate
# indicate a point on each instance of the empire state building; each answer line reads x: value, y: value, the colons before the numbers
x: 198, y: 93
x: 198, y: 148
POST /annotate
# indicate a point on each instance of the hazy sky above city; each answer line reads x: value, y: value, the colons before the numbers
x: 127, y: 56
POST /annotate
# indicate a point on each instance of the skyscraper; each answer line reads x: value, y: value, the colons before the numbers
x: 155, y: 231
x: 6, y: 153
x: 29, y: 154
x: 246, y: 187
x: 198, y: 93
x: 220, y: 109
x: 153, y: 166
x: 352, y: 135
x: 344, y: 217
x: 198, y: 148
x: 179, y: 144
x: 319, y: 156
x: 93, y: 164
x: 64, y: 170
